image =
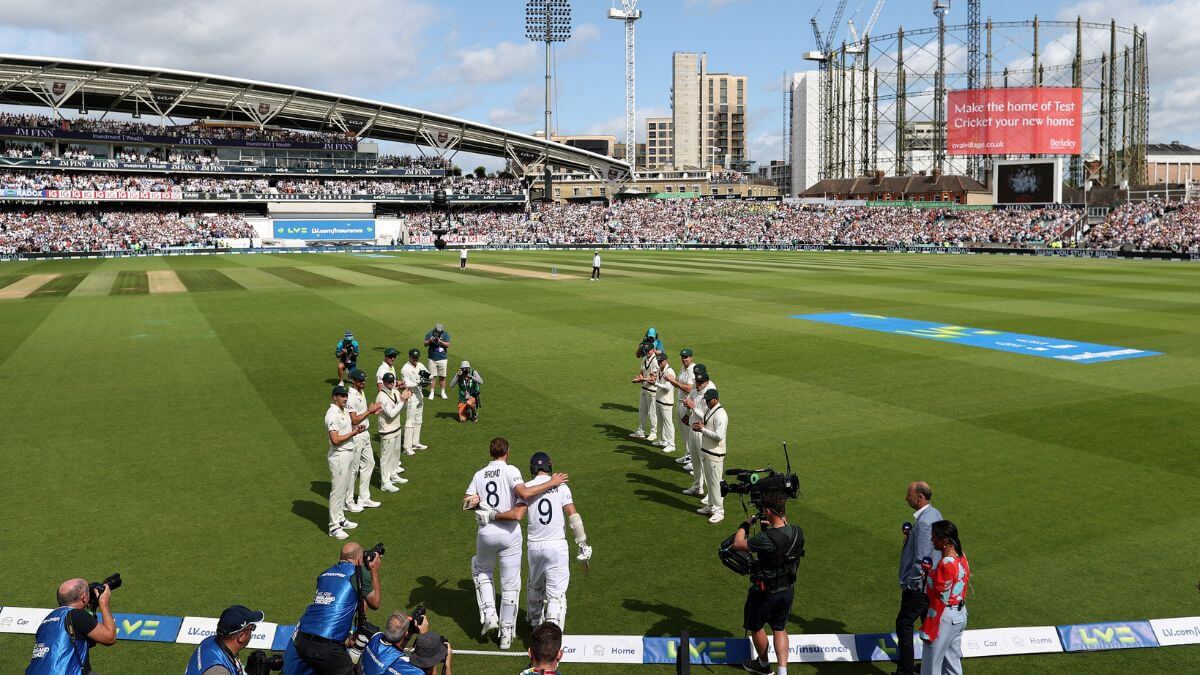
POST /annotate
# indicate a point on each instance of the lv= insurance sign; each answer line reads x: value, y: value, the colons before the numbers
x: 1020, y: 121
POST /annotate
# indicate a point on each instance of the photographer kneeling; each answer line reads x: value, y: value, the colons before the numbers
x: 384, y: 654
x: 67, y: 633
x: 343, y: 591
x: 779, y: 548
x: 218, y: 654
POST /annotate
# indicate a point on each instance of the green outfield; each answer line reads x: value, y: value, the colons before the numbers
x: 164, y: 420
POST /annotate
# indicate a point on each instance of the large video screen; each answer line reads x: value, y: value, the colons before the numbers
x: 1020, y: 121
x: 1031, y: 183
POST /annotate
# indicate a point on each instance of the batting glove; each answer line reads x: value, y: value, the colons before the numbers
x: 484, y: 516
x: 585, y: 553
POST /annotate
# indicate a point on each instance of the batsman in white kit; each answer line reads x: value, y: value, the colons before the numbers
x: 549, y: 557
x: 493, y: 492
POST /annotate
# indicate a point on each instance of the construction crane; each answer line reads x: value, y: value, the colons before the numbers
x: 629, y: 13
x: 870, y: 23
x: 823, y: 55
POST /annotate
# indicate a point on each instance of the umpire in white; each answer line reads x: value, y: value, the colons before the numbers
x: 340, y: 428
x: 713, y: 430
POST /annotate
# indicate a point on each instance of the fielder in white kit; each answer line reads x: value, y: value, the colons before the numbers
x: 494, y: 490
x: 414, y: 408
x: 664, y: 404
x: 363, y: 465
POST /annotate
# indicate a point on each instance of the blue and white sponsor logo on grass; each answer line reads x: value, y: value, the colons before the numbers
x: 147, y: 627
x: 1017, y: 343
x: 1108, y: 635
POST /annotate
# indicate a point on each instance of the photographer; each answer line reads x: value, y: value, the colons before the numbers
x: 218, y: 654
x: 437, y: 341
x: 384, y: 654
x: 778, y: 548
x: 66, y: 634
x: 343, y: 591
x: 347, y: 356
x: 468, y: 382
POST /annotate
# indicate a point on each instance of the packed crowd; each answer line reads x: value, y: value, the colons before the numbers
x: 57, y: 230
x: 195, y: 130
x: 743, y: 222
x: 69, y: 180
x: 1154, y: 224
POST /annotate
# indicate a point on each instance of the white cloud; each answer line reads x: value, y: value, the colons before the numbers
x: 302, y: 42
x: 528, y: 107
x: 615, y: 126
x: 488, y: 65
x: 1174, y: 42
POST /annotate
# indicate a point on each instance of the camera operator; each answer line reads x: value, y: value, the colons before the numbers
x: 438, y: 343
x: 343, y: 591
x: 66, y: 634
x: 384, y: 654
x: 468, y: 382
x: 778, y: 548
x: 347, y: 356
x: 414, y: 408
x: 218, y: 654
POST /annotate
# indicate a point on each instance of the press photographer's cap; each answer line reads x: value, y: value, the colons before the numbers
x: 414, y: 353
x: 684, y: 353
x: 465, y: 364
x: 389, y: 377
x: 439, y: 327
x: 236, y: 619
x: 349, y: 335
x: 428, y: 651
x: 651, y: 332
x: 358, y: 375
x: 390, y: 352
x: 710, y: 394
x: 340, y: 391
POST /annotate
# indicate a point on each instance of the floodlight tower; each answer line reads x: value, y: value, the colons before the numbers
x: 940, y: 9
x: 629, y: 13
x: 548, y: 21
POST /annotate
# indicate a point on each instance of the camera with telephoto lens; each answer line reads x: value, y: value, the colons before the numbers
x: 262, y: 663
x: 368, y: 556
x: 96, y: 588
x: 645, y: 346
x: 424, y: 379
x: 754, y: 483
x: 362, y: 637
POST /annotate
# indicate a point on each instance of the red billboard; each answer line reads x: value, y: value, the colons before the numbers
x: 1022, y: 121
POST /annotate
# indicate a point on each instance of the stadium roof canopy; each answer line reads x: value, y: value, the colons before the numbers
x: 106, y: 87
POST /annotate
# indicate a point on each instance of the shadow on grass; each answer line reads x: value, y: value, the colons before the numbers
x: 652, y: 456
x: 317, y: 514
x: 674, y: 619
x: 618, y: 406
x: 448, y: 415
x: 455, y: 602
x: 664, y: 493
x: 331, y: 381
x: 614, y: 432
x: 321, y: 488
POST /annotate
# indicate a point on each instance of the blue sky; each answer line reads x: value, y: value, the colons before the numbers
x: 469, y: 58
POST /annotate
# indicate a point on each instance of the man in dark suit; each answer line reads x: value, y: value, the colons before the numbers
x: 917, y: 546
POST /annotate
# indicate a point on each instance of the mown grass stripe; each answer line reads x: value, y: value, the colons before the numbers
x: 207, y: 280
x: 395, y: 275
x: 58, y: 287
x: 130, y: 283
x: 10, y: 278
x: 305, y: 278
x: 98, y: 282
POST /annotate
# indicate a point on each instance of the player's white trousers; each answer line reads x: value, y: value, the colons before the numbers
x: 714, y: 467
x: 692, y: 441
x: 364, y: 466
x: 389, y: 454
x: 549, y: 575
x: 414, y: 415
x: 665, y: 423
x: 498, y: 540
x: 647, y: 419
x: 341, y: 482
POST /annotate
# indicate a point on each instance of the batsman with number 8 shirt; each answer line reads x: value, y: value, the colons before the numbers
x: 492, y: 493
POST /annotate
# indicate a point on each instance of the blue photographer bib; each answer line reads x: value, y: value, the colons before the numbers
x: 54, y: 651
x: 209, y: 654
x: 292, y: 663
x: 331, y: 614
x: 382, y: 658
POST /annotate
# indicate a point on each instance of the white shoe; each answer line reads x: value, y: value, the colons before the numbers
x: 444, y: 393
x: 505, y: 638
x: 338, y: 533
x: 430, y: 394
x: 638, y: 434
x: 652, y: 437
x: 717, y: 517
x: 353, y: 507
x: 704, y: 510
x: 692, y: 491
x: 367, y: 503
x: 348, y: 525
x: 420, y: 446
x: 401, y: 480
x: 668, y: 449
x: 658, y: 444
x: 399, y: 470
x: 490, y: 625
x: 388, y: 487
x: 409, y: 451
x: 686, y: 459
x: 690, y: 470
